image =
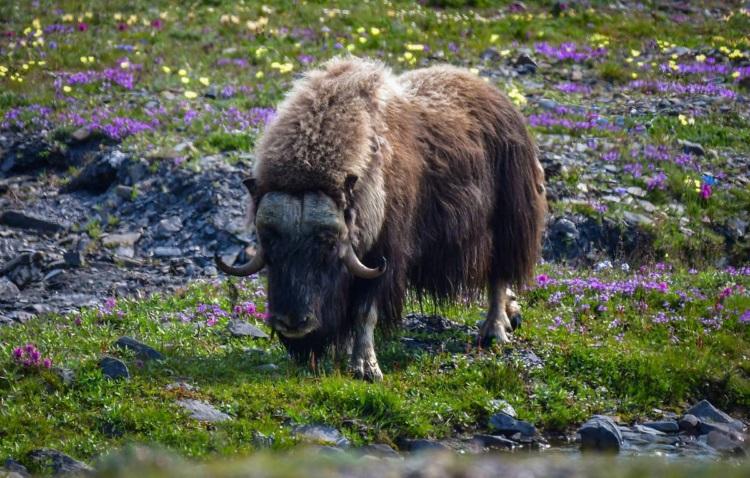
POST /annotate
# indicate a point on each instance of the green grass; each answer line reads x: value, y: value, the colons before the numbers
x: 626, y: 369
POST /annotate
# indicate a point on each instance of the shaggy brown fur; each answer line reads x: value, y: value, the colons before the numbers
x: 449, y: 187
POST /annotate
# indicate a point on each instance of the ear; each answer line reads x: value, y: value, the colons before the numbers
x: 251, y: 185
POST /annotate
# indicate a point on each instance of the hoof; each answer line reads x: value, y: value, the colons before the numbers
x: 367, y: 371
x: 491, y: 333
x: 515, y: 321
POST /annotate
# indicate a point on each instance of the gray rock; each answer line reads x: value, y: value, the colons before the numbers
x: 600, y: 433
x: 167, y: 252
x: 636, y: 191
x: 59, y: 463
x: 202, y: 411
x: 507, y: 425
x: 142, y: 350
x: 124, y: 192
x: 8, y: 290
x: 500, y: 405
x: 241, y: 328
x: 74, y: 258
x: 638, y: 219
x: 725, y: 444
x: 22, y: 220
x: 66, y: 375
x: 665, y: 426
x: 321, y: 435
x: 705, y: 411
x: 689, y: 423
x: 126, y: 239
x: 12, y: 466
x: 114, y: 368
x: 169, y: 226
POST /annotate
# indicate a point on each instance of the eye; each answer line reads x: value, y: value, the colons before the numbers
x: 328, y: 240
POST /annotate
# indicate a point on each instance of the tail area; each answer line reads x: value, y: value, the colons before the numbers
x: 520, y: 205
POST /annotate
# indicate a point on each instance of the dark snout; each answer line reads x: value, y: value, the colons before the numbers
x: 294, y: 326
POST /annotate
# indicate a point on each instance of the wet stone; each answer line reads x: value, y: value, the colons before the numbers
x: 725, y: 444
x: 508, y: 426
x: 665, y: 426
x: 705, y: 411
x: 321, y: 435
x: 600, y: 433
x: 689, y: 423
x: 114, y: 368
x: 142, y: 350
x: 202, y: 411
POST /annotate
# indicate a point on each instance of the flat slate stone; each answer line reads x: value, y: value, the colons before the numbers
x: 600, y: 433
x: 380, y: 450
x: 114, y: 368
x: 321, y: 435
x: 241, y: 328
x: 507, y: 425
x: 142, y: 350
x: 664, y: 426
x: 202, y: 411
x: 21, y: 220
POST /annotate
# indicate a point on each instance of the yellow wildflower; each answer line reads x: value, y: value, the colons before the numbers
x: 204, y: 81
x: 259, y: 75
x: 474, y: 70
x: 125, y: 65
x: 362, y: 39
x: 190, y: 94
x: 516, y: 96
x: 635, y: 53
x: 260, y: 51
x: 736, y: 74
x: 117, y: 16
x: 185, y: 80
x: 182, y: 72
x: 67, y: 89
x: 351, y: 46
x: 634, y: 75
x: 166, y: 69
x: 414, y: 47
x: 361, y: 30
x: 494, y: 37
x: 408, y: 55
x: 374, y: 31
x: 700, y: 58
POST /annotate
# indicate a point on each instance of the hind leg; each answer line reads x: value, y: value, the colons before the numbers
x: 497, y: 326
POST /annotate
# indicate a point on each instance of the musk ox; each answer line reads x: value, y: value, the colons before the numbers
x: 369, y: 184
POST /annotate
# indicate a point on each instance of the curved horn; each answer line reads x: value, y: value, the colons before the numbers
x: 256, y: 263
x: 360, y: 270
